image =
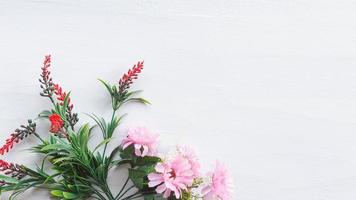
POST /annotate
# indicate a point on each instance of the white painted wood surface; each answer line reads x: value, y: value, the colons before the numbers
x: 268, y: 86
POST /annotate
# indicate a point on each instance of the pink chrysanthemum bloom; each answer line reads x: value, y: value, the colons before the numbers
x: 143, y: 141
x: 192, y: 158
x: 219, y: 187
x: 172, y: 176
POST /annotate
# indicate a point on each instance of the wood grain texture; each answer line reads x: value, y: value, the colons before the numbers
x: 268, y: 86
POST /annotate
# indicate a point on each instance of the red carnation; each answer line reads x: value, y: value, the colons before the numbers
x: 56, y: 123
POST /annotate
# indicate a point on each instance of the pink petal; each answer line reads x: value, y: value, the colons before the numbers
x: 160, y: 168
x: 167, y: 193
x: 177, y: 193
x: 126, y: 144
x: 170, y: 186
x: 154, y: 183
x: 137, y: 146
x: 137, y: 152
x: 206, y: 190
x: 161, y: 188
x: 154, y: 176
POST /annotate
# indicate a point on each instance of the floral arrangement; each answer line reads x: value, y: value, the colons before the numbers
x: 72, y: 170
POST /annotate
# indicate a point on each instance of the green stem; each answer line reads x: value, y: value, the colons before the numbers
x: 107, y: 191
x: 99, y: 195
x: 51, y: 98
x: 132, y: 196
x: 139, y: 196
x: 125, y: 192
x: 112, y: 119
x: 123, y: 187
x: 39, y: 137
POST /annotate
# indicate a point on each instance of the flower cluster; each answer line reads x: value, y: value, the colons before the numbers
x: 176, y: 176
x: 61, y: 96
x: 172, y: 176
x: 18, y: 135
x: 14, y: 170
x: 78, y: 171
x: 45, y: 80
x: 49, y: 88
x: 127, y: 79
x: 219, y: 184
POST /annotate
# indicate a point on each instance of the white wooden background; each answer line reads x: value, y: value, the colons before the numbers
x: 268, y: 86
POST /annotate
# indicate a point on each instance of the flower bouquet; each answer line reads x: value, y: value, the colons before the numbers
x: 70, y: 169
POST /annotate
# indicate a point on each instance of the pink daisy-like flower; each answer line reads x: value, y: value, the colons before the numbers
x: 143, y: 141
x: 172, y: 176
x: 192, y: 158
x: 219, y: 187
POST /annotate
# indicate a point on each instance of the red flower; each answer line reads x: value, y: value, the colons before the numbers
x: 46, y: 80
x: 9, y: 144
x: 46, y: 65
x: 16, y: 171
x: 61, y: 95
x: 56, y: 123
x: 18, y: 135
x: 72, y: 118
x: 127, y: 79
x: 4, y: 165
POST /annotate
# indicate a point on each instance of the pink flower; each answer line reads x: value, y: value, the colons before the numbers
x: 172, y: 176
x: 220, y: 185
x: 192, y: 158
x: 143, y: 141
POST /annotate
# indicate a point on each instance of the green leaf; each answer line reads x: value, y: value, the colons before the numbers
x: 153, y: 197
x: 8, y: 179
x: 137, y: 177
x: 127, y: 153
x: 147, y: 160
x: 53, y: 147
x: 58, y: 110
x: 107, y: 86
x: 65, y: 103
x: 102, y: 143
x: 50, y: 178
x: 140, y: 100
x: 113, y: 153
x: 133, y: 93
x: 68, y: 195
x: 57, y: 193
x: 147, y: 169
x: 121, y: 162
x: 101, y: 123
x: 57, y: 160
x: 149, y: 197
x: 44, y: 114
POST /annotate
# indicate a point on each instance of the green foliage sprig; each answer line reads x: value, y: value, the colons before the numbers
x: 76, y: 171
x: 71, y: 169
